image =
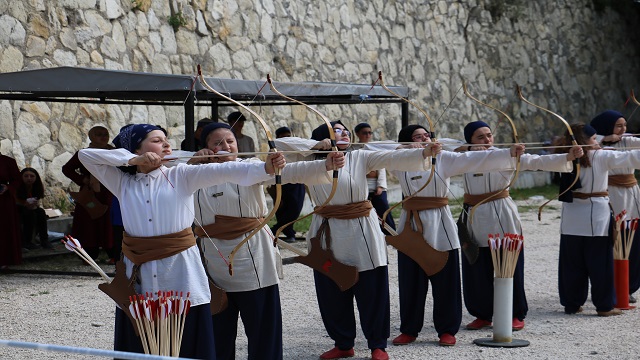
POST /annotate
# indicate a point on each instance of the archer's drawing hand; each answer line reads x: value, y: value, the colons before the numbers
x: 146, y: 159
x: 202, y: 152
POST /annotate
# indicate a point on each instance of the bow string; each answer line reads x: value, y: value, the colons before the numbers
x: 278, y: 177
x: 432, y: 135
x: 334, y: 147
x: 576, y: 163
x: 515, y: 140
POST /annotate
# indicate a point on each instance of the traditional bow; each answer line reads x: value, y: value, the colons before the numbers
x: 635, y: 101
x: 576, y: 163
x: 432, y: 135
x: 515, y: 140
x: 334, y: 147
x: 278, y: 179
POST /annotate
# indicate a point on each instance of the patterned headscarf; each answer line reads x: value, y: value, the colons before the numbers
x: 132, y: 135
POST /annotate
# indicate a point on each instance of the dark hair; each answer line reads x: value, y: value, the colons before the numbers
x: 37, y: 190
x: 360, y: 127
x: 582, y: 138
x: 235, y: 117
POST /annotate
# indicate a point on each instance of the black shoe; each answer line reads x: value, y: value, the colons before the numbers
x: 30, y: 246
x: 289, y: 239
x: 46, y: 245
x: 632, y: 299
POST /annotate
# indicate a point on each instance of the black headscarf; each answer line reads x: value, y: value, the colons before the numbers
x: 321, y: 132
x: 604, y: 122
x: 405, y: 134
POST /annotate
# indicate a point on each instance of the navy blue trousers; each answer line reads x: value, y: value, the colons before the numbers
x: 634, y: 264
x: 290, y: 206
x: 584, y: 259
x: 381, y: 205
x: 197, y: 339
x: 477, y: 281
x: 262, y: 318
x: 447, y: 298
x: 336, y: 308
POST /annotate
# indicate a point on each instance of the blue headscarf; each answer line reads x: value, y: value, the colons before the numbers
x: 606, y: 121
x: 471, y: 128
x: 209, y: 129
x: 131, y: 136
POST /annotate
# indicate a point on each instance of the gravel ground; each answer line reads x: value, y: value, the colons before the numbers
x: 71, y: 311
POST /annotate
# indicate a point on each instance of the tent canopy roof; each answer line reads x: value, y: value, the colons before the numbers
x: 100, y: 85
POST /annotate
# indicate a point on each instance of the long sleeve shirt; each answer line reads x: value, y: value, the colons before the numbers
x: 625, y: 198
x: 590, y: 217
x: 254, y: 265
x: 439, y: 228
x: 161, y: 203
x: 360, y: 242
x: 501, y: 215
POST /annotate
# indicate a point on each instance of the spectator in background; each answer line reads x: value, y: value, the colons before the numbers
x: 118, y: 231
x: 10, y: 249
x: 291, y: 201
x: 376, y: 180
x: 32, y: 216
x: 245, y: 142
x: 93, y: 230
x: 196, y: 135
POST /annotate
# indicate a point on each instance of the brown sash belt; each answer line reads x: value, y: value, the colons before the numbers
x: 580, y: 195
x: 143, y: 249
x: 418, y: 203
x: 228, y: 227
x: 472, y: 200
x: 348, y: 211
x: 624, y: 180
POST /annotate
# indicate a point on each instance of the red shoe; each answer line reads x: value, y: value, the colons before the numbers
x: 403, y: 339
x: 447, y: 340
x: 379, y: 354
x: 336, y: 353
x: 517, y: 325
x: 478, y: 324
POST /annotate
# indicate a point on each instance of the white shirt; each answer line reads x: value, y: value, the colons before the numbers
x: 254, y: 265
x: 160, y: 203
x: 501, y: 216
x: 590, y: 217
x: 622, y: 198
x: 439, y: 228
x: 360, y: 242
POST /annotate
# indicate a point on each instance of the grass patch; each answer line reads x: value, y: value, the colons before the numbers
x: 548, y: 191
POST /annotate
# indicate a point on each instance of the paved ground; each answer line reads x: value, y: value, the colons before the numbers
x: 69, y: 310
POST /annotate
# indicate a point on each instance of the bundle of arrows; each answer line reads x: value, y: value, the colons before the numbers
x: 160, y: 321
x: 73, y: 244
x: 504, y: 253
x: 626, y: 229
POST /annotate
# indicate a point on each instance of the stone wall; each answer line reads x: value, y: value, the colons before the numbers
x: 567, y: 57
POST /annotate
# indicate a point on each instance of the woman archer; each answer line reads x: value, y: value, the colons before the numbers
x: 159, y: 248
x: 226, y: 213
